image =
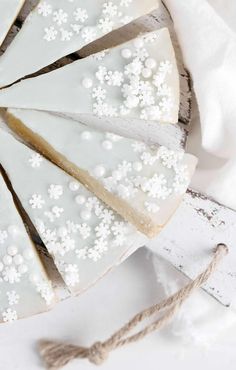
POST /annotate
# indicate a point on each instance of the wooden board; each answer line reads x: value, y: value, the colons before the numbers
x: 187, y: 242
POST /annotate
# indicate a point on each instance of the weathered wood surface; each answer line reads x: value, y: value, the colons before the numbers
x: 169, y: 135
x: 189, y: 238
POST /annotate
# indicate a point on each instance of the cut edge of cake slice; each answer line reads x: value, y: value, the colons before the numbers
x: 146, y: 222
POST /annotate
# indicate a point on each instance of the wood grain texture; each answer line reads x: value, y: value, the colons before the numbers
x: 187, y: 242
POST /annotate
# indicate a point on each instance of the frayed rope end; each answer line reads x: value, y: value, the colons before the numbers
x: 56, y: 355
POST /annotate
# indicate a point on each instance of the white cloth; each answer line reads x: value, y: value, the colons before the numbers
x: 206, y: 31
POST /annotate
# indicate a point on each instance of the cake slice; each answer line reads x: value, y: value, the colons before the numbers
x: 8, y: 13
x: 24, y: 286
x: 144, y: 184
x: 56, y: 28
x: 83, y: 235
x: 137, y: 80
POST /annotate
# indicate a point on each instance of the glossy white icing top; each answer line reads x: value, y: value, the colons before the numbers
x: 56, y: 28
x: 24, y: 287
x: 8, y: 12
x: 138, y: 79
x: 85, y: 237
x: 151, y: 180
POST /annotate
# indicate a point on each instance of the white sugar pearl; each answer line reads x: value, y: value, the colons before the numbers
x: 18, y: 259
x: 137, y: 166
x: 87, y: 82
x: 34, y: 278
x: 13, y: 230
x: 138, y: 43
x: 28, y: 254
x: 116, y: 175
x: 1, y: 266
x: 12, y: 250
x: 7, y: 260
x: 99, y: 171
x: 86, y: 135
x: 107, y: 145
x: 150, y: 63
x: 80, y: 199
x: 74, y: 185
x: 22, y: 269
x: 146, y: 72
x: 62, y: 231
x: 126, y: 53
x: 132, y: 101
x: 85, y: 215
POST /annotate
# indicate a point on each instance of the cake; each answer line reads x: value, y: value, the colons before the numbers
x: 137, y: 80
x: 8, y: 13
x: 24, y: 286
x: 56, y: 28
x: 84, y: 237
x: 143, y: 183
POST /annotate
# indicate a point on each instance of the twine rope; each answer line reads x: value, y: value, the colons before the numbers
x: 56, y: 355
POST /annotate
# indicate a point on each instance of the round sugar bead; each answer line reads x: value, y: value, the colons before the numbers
x: 146, y: 72
x: 74, y: 185
x: 80, y: 199
x: 12, y: 250
x: 87, y: 82
x: 7, y: 260
x: 138, y: 43
x: 86, y: 135
x: 150, y: 63
x: 13, y: 230
x: 126, y: 53
x: 18, y: 259
x: 132, y: 101
x: 99, y: 171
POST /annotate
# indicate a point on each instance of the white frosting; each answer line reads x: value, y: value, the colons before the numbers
x: 56, y: 28
x: 24, y: 287
x: 151, y: 180
x: 108, y: 84
x: 84, y: 237
x: 8, y: 13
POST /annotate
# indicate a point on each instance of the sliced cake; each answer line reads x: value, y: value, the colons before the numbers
x: 83, y: 235
x: 144, y: 184
x: 24, y: 286
x: 138, y: 80
x: 56, y: 28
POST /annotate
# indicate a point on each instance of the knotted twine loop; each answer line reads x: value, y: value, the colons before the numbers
x: 57, y: 355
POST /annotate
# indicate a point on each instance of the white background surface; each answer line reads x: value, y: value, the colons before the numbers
x: 98, y: 312
x: 133, y: 286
